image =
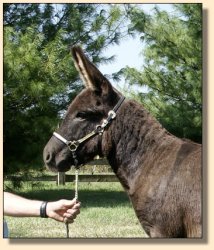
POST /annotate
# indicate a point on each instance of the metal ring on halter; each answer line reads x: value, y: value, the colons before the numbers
x: 73, y: 145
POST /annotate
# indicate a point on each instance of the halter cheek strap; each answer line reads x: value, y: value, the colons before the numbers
x: 73, y: 145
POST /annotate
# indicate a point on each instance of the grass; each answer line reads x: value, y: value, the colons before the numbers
x: 106, y: 212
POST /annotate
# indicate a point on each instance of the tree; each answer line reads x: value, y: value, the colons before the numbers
x: 172, y: 69
x: 39, y: 77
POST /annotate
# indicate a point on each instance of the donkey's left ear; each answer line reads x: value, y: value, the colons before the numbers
x: 89, y: 73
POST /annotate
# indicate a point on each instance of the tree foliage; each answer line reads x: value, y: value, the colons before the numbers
x: 40, y: 79
x: 172, y: 67
x: 39, y: 76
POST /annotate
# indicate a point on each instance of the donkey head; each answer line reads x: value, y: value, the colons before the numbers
x: 85, y: 112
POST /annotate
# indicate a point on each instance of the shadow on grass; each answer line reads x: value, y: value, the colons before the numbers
x: 88, y: 198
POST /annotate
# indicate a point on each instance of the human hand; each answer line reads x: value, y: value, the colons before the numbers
x: 63, y: 210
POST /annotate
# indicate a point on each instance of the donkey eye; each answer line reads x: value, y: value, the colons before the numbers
x: 82, y: 115
x: 85, y: 114
x: 89, y: 115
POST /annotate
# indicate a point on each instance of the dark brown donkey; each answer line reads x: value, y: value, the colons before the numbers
x: 160, y: 172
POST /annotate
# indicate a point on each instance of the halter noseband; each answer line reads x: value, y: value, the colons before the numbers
x: 73, y: 145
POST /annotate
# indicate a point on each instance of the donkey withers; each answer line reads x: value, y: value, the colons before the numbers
x: 160, y: 172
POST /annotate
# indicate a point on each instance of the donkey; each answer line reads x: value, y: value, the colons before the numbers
x: 160, y: 172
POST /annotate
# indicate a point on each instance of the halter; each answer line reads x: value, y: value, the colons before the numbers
x: 99, y: 129
x: 73, y: 145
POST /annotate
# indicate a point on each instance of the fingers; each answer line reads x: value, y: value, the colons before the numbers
x: 70, y: 220
x: 63, y: 210
x: 71, y: 214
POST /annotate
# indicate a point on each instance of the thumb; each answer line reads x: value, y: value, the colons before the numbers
x: 69, y: 203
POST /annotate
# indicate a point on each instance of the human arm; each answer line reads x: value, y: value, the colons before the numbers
x: 61, y: 210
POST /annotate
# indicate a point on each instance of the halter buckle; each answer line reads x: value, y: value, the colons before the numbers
x: 100, y: 129
x: 112, y: 114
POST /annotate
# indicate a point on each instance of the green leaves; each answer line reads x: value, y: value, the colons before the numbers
x: 40, y: 79
x: 173, y: 67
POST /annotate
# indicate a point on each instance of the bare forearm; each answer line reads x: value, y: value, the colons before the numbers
x: 61, y: 210
x: 15, y: 205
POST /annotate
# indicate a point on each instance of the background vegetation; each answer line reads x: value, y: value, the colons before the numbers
x: 172, y: 69
x: 40, y: 79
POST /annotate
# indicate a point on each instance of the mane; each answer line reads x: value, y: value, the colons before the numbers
x: 134, y: 132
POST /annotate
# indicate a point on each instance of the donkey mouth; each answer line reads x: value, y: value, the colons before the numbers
x: 59, y: 162
x: 62, y: 166
x: 56, y: 164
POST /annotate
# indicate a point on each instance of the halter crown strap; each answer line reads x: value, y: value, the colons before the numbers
x: 119, y: 104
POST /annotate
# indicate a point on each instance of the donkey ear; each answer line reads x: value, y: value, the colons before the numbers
x: 89, y: 73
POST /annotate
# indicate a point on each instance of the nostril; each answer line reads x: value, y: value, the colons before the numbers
x: 48, y: 157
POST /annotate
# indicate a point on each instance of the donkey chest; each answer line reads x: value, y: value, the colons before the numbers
x: 157, y: 210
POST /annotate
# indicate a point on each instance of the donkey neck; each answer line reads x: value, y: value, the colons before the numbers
x: 127, y: 141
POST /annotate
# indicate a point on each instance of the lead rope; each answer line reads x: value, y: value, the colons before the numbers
x: 76, y: 188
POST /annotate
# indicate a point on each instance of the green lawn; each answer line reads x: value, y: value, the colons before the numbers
x: 106, y: 213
